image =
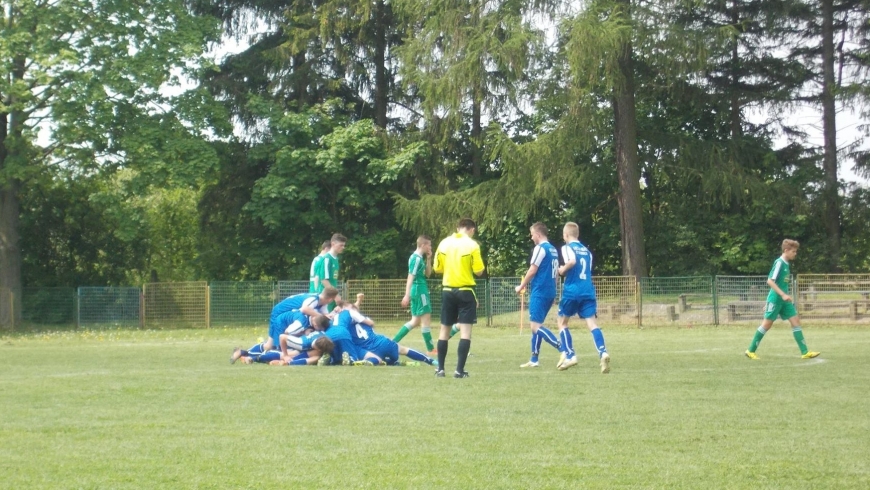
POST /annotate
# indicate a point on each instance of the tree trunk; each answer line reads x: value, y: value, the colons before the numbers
x: 10, y: 254
x: 300, y: 71
x: 736, y: 119
x: 625, y: 140
x: 829, y: 122
x: 382, y: 83
x: 476, y: 133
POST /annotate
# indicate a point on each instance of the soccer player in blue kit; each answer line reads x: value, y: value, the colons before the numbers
x: 541, y: 279
x: 375, y: 348
x: 578, y: 297
x: 286, y: 315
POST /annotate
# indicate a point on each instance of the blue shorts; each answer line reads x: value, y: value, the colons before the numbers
x: 584, y: 308
x: 383, y: 347
x: 539, y: 307
x: 341, y: 346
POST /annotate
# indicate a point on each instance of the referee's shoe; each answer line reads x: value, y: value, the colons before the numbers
x: 463, y: 374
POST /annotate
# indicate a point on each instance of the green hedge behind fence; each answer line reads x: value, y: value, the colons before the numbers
x: 693, y: 300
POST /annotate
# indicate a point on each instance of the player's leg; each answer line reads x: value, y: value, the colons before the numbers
x: 426, y: 332
x: 771, y: 311
x: 587, y: 309
x: 797, y: 332
x: 369, y: 359
x: 416, y: 355
x: 568, y: 354
x: 407, y: 327
x: 449, y: 315
x: 466, y: 318
x: 538, y: 310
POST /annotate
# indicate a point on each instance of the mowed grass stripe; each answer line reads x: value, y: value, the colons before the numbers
x: 682, y: 408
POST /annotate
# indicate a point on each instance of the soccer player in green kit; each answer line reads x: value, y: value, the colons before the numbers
x: 417, y: 293
x: 780, y: 304
x: 317, y: 268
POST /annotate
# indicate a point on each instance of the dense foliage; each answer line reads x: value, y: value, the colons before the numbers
x: 381, y: 120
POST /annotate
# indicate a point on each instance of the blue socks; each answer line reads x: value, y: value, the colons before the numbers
x: 548, y: 336
x: 568, y: 343
x: 536, y: 346
x: 418, y: 356
x: 598, y: 338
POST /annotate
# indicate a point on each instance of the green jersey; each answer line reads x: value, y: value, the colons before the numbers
x: 780, y: 274
x: 417, y: 267
x: 314, y: 285
x: 329, y: 270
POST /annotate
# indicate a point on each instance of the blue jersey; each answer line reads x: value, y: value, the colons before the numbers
x: 308, y: 340
x: 543, y: 283
x: 296, y: 302
x: 352, y: 322
x: 343, y: 342
x: 578, y: 279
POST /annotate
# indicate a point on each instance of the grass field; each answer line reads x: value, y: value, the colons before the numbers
x: 682, y: 408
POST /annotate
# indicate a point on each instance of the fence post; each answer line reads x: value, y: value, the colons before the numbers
x: 78, y: 307
x: 638, y: 291
x: 142, y: 307
x: 12, y: 307
x: 207, y: 306
x: 716, y: 300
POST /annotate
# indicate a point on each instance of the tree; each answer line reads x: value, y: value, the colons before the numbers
x: 81, y: 87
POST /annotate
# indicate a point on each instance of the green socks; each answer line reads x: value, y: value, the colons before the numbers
x: 427, y: 338
x: 454, y: 331
x: 799, y: 338
x: 401, y: 333
x: 759, y: 334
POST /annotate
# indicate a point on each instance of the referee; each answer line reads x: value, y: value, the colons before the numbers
x: 458, y: 258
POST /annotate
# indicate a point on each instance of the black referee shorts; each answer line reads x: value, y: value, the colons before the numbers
x: 458, y: 306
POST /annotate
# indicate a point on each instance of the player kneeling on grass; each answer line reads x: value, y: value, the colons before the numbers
x: 377, y: 348
x: 578, y: 297
x: 291, y: 322
x: 320, y: 347
x: 780, y: 304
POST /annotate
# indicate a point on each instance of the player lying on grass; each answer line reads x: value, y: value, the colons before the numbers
x: 378, y: 348
x: 295, y: 322
x: 322, y: 346
x: 301, y: 343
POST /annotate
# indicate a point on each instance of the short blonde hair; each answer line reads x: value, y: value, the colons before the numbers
x: 572, y: 229
x: 789, y: 244
x: 422, y: 239
x: 540, y: 228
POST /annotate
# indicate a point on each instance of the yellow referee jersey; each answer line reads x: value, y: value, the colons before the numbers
x: 458, y: 258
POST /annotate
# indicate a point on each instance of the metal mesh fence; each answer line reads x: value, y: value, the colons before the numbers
x: 382, y: 301
x: 509, y: 309
x: 383, y: 298
x: 742, y: 298
x: 687, y: 300
x: 285, y: 289
x: 841, y: 297
x: 621, y: 300
x: 109, y: 307
x: 48, y: 306
x: 617, y: 299
x: 241, y: 303
x: 180, y: 304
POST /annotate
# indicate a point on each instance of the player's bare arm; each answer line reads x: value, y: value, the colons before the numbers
x: 780, y: 292
x: 533, y: 269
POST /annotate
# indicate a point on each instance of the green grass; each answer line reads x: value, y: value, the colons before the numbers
x: 682, y: 408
